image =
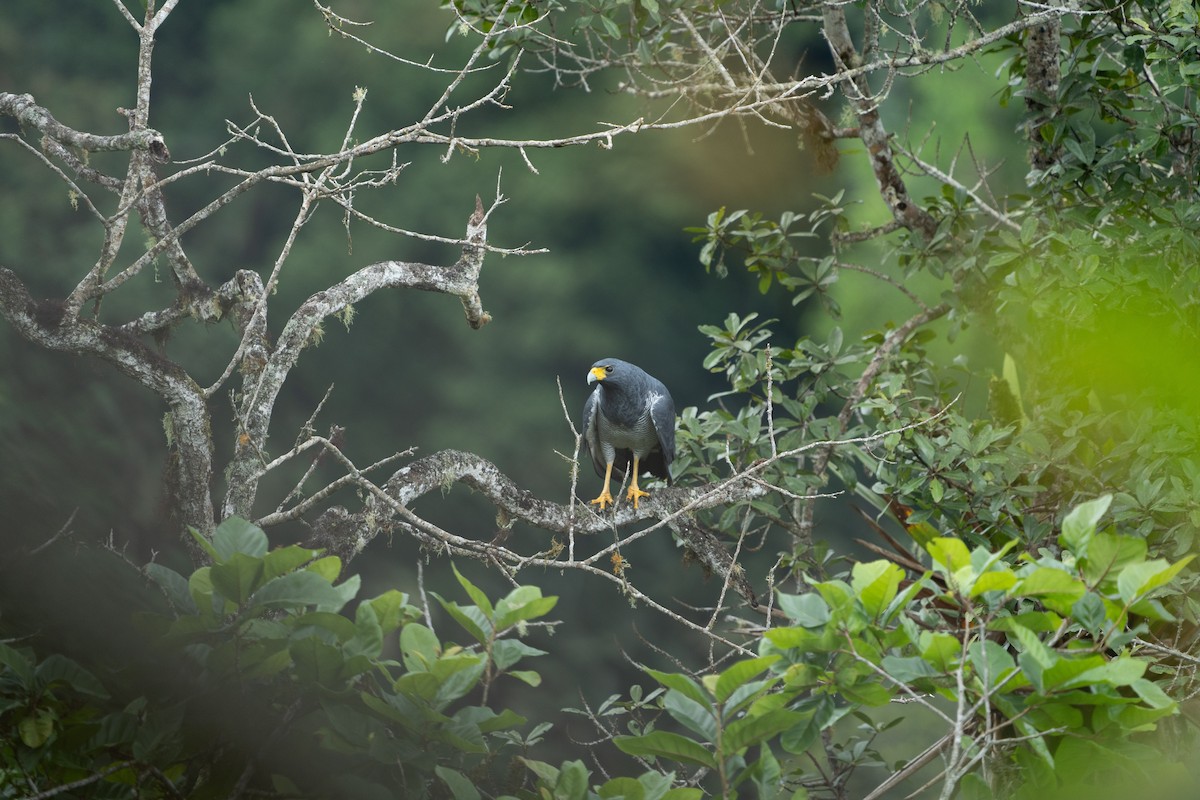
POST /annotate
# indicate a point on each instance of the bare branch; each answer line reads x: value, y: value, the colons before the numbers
x: 189, y: 470
x: 25, y: 110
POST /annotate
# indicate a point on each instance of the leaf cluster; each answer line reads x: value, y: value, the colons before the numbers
x: 1041, y: 653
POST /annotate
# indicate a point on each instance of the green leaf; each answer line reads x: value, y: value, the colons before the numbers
x: 56, y: 668
x: 236, y: 535
x: 1070, y: 672
x: 907, y: 669
x: 529, y: 676
x: 522, y: 603
x: 572, y: 783
x: 1035, y: 658
x: 36, y: 727
x: 1079, y: 526
x: 471, y: 619
x: 457, y: 783
x: 625, y: 788
x: 545, y: 772
x: 822, y: 714
x: 1109, y: 553
x: 941, y: 650
x: 876, y: 583
x: 1031, y: 644
x: 457, y: 675
x: 419, y: 647
x: 996, y: 580
x: 391, y: 608
x: 867, y: 693
x: 993, y: 664
x: 950, y: 553
x: 1090, y: 612
x: 237, y: 576
x: 368, y: 634
x: 204, y: 543
x: 316, y: 661
x: 663, y: 744
x: 298, y: 589
x: 682, y: 684
x: 174, y: 585
x: 808, y: 610
x: 695, y: 716
x: 200, y: 587
x: 1121, y: 671
x: 738, y: 674
x: 1045, y: 581
x: 19, y: 664
x: 506, y: 652
x: 285, y: 559
x: 1137, y: 580
x: 1009, y: 374
x: 488, y: 721
x: 329, y: 568
x: 341, y: 628
x: 1151, y: 694
x: 752, y: 730
x: 475, y: 593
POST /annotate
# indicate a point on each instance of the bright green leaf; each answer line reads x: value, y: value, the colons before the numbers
x: 1079, y: 526
x: 996, y: 580
x: 285, y: 559
x: 529, y: 676
x: 950, y: 553
x: 1137, y: 580
x: 736, y: 675
x: 475, y: 593
x: 329, y: 568
x: 682, y: 684
x: 419, y: 647
x: 876, y: 584
x: 752, y: 730
x: 664, y: 744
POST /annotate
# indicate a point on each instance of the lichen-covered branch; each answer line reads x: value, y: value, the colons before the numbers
x: 1042, y: 76
x: 26, y: 111
x: 870, y: 128
x: 190, y: 456
x: 460, y: 279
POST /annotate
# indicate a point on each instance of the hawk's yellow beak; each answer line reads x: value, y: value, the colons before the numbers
x: 596, y: 374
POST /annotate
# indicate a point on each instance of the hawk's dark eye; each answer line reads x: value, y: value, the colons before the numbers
x: 608, y: 369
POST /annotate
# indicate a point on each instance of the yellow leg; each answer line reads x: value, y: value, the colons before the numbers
x: 634, y: 492
x: 605, y: 497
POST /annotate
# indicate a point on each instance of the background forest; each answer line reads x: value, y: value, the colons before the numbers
x: 931, y: 326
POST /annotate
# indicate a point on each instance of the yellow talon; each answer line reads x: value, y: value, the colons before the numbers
x: 634, y: 492
x: 605, y: 499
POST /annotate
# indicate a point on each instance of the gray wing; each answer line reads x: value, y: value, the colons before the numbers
x: 591, y: 433
x: 662, y: 414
